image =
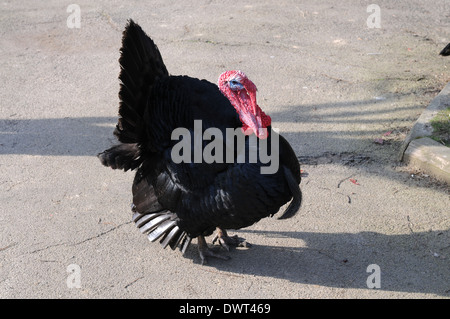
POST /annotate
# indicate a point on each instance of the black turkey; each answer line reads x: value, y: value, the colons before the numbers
x: 186, y: 188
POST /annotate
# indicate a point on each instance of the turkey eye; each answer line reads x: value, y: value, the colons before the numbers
x: 235, y: 85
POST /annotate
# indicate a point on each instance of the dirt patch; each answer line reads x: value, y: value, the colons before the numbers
x: 344, y: 158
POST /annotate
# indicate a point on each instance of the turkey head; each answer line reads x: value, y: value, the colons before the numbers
x: 241, y: 92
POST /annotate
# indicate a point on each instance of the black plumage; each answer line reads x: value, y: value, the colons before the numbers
x: 445, y: 51
x: 175, y: 202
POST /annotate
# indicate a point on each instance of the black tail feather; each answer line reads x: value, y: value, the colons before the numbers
x: 144, y: 197
x: 296, y: 202
x: 141, y: 67
x: 122, y: 156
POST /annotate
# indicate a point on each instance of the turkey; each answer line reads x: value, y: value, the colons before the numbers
x: 188, y: 188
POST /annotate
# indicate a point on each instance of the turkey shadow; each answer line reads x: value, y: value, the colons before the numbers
x: 413, y: 263
x: 69, y: 136
x: 378, y: 136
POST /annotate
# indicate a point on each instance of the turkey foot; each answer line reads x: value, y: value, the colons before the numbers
x: 226, y: 241
x: 205, y: 251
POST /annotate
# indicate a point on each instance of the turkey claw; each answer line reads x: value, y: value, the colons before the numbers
x: 226, y: 241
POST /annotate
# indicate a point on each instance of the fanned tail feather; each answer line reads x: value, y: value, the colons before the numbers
x: 152, y: 219
x: 141, y: 67
x: 163, y: 226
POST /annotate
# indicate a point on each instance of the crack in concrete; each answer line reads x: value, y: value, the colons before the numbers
x: 80, y: 242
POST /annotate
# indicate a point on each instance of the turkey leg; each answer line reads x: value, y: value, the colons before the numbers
x: 205, y: 251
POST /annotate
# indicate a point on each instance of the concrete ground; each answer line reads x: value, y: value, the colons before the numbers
x: 331, y: 84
